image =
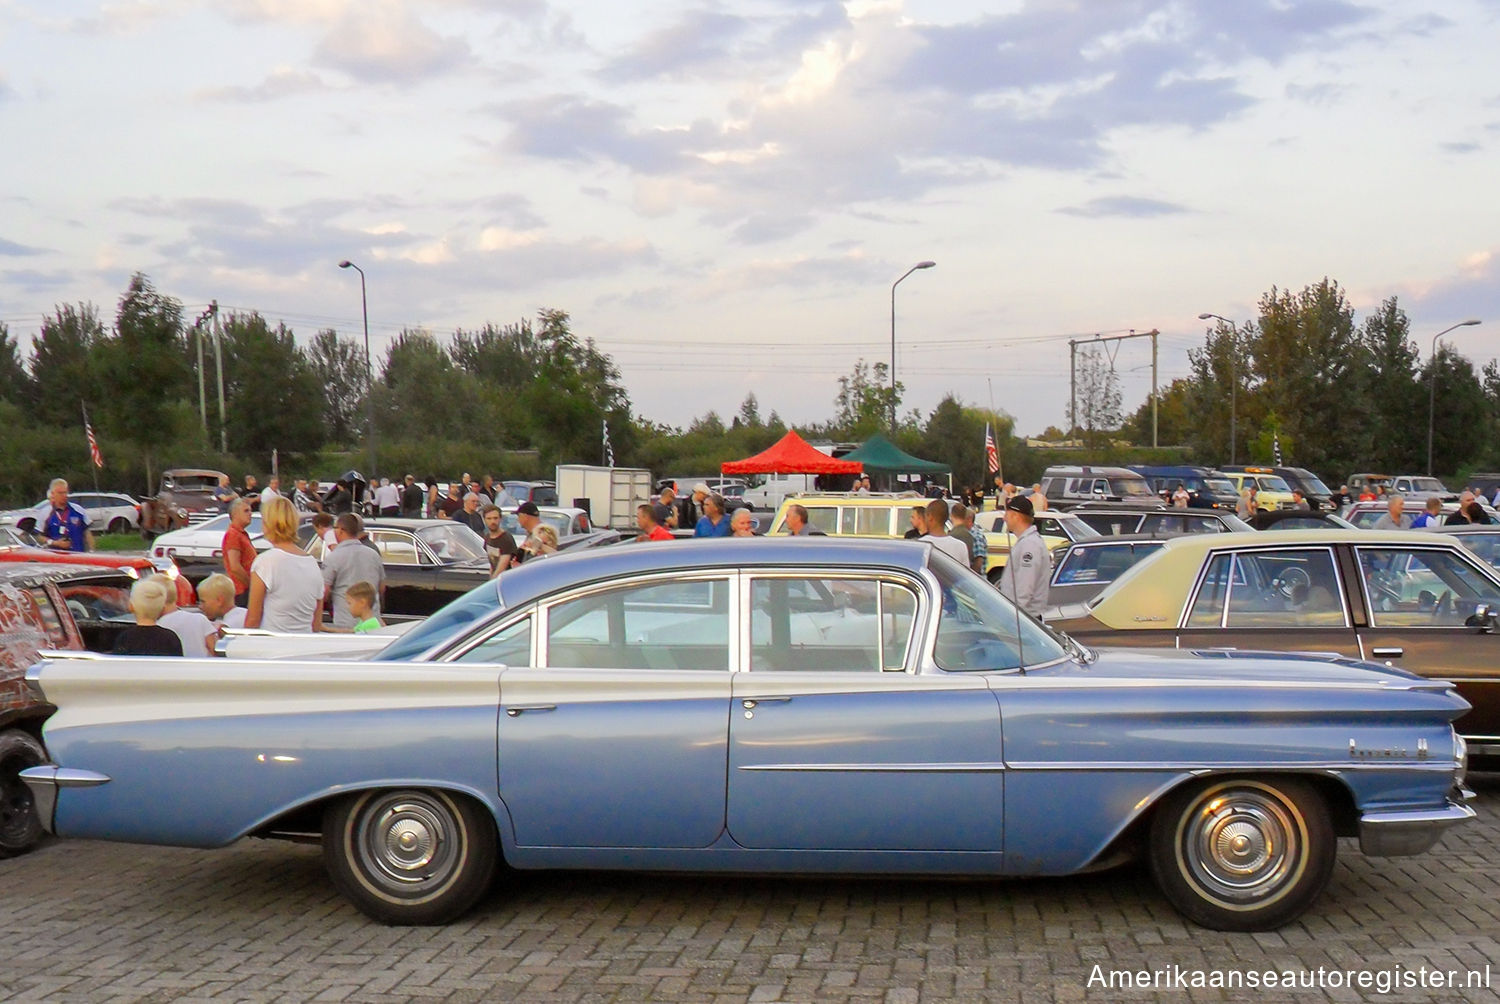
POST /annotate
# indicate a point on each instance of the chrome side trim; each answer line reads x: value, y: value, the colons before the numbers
x: 1394, y: 834
x: 54, y: 655
x: 884, y: 768
x: 44, y: 782
x: 1202, y: 767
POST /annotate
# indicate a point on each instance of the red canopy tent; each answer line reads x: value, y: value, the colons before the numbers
x: 791, y: 455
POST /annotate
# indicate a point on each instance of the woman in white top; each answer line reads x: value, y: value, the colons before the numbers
x: 286, y: 585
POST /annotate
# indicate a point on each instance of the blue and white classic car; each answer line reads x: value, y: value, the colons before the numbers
x: 766, y: 705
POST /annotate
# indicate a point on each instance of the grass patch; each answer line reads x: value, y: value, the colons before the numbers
x: 119, y: 542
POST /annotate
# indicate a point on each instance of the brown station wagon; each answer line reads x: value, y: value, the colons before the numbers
x: 1417, y: 601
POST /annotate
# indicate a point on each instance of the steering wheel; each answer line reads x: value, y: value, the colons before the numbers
x: 1444, y: 606
x: 1291, y: 581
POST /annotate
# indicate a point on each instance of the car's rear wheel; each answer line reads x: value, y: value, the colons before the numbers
x: 1243, y: 855
x: 410, y: 856
x: 119, y: 525
x: 20, y: 827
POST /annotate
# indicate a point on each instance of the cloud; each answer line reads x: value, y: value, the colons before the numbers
x: 1462, y: 146
x: 1125, y: 205
x: 383, y: 42
x: 282, y: 82
x: 1472, y: 289
x: 11, y: 249
x: 124, y: 17
x: 699, y: 40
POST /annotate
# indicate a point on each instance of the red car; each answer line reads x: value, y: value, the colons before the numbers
x: 134, y: 565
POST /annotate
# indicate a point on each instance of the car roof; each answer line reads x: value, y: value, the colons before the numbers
x: 1153, y: 591
x: 30, y: 573
x: 192, y: 472
x: 574, y: 567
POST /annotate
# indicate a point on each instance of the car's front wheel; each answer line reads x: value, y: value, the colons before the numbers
x: 410, y: 856
x: 1243, y: 855
x: 20, y: 828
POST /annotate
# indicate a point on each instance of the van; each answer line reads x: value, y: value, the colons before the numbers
x: 1271, y: 491
x: 1206, y: 487
x: 1066, y: 487
x: 1318, y: 495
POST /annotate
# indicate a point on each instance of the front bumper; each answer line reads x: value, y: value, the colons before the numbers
x: 1396, y: 834
x: 44, y: 782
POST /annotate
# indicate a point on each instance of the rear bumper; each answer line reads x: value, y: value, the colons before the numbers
x: 1395, y: 834
x: 45, y: 781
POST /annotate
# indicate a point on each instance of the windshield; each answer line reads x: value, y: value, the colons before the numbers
x: 556, y: 520
x: 449, y: 622
x: 452, y: 542
x: 1427, y: 485
x: 1126, y: 487
x: 1311, y: 483
x: 1271, y: 483
x: 1219, y: 486
x: 979, y: 630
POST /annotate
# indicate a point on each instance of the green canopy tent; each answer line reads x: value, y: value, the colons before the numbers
x: 881, y: 456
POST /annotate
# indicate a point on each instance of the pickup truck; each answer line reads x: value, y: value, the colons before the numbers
x: 44, y: 606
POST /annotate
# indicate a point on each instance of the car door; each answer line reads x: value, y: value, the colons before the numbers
x: 1284, y: 599
x: 836, y: 743
x: 615, y: 735
x: 409, y: 571
x: 1424, y: 616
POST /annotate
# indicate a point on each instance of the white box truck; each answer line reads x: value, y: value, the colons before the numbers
x: 609, y: 493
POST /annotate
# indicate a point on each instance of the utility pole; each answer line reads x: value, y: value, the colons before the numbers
x: 213, y: 308
x: 1073, y: 344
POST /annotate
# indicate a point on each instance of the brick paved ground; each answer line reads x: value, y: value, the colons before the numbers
x: 259, y: 922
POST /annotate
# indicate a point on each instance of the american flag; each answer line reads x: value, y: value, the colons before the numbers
x: 991, y: 455
x: 88, y: 430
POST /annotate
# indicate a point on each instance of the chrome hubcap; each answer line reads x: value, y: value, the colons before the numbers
x: 1242, y: 845
x: 406, y: 841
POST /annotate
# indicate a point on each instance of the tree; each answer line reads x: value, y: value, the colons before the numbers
x: 421, y: 391
x: 273, y: 398
x: 1096, y: 403
x: 144, y: 367
x: 1312, y: 365
x: 749, y: 412
x: 1222, y: 384
x: 64, y: 371
x: 1174, y: 420
x: 1460, y: 410
x: 865, y: 401
x: 1395, y: 441
x: 339, y: 366
x: 15, y: 383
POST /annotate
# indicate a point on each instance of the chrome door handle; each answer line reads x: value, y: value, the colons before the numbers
x: 752, y: 702
x: 1390, y: 652
x: 515, y: 712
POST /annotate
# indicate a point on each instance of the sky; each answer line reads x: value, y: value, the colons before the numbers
x: 722, y: 194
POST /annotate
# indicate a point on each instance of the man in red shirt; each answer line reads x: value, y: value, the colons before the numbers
x: 239, y: 553
x: 645, y: 518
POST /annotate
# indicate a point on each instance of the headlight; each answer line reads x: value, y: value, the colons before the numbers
x: 133, y: 573
x: 1460, y: 759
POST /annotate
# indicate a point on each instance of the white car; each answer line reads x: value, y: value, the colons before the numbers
x: 566, y: 520
x: 204, y: 542
x: 109, y: 512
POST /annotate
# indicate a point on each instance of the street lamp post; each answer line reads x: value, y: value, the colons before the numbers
x: 1432, y: 383
x: 364, y: 306
x: 1233, y: 373
x: 920, y: 264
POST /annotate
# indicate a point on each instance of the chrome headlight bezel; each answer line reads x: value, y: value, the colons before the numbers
x: 1460, y: 760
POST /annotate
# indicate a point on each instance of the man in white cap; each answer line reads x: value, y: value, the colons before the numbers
x: 690, y: 508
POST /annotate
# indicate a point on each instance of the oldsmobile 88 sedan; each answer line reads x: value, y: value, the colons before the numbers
x: 773, y: 705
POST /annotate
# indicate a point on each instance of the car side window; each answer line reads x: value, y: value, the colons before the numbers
x: 1291, y: 588
x: 1208, y: 605
x: 395, y: 548
x: 825, y: 518
x: 510, y: 645
x: 822, y: 624
x: 1418, y: 588
x: 655, y: 625
x: 872, y: 520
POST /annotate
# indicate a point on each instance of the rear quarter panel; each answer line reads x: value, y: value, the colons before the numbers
x: 201, y: 752
x: 1087, y: 757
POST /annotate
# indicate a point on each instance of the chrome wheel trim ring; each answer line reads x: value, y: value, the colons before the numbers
x: 407, y: 843
x: 1242, y: 846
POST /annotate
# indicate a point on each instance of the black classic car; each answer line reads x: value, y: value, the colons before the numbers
x: 428, y: 562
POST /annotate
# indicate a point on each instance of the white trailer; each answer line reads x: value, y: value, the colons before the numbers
x: 612, y: 493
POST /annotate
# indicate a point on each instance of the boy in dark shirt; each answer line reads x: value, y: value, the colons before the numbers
x: 148, y: 598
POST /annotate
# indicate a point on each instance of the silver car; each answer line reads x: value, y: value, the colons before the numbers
x: 108, y: 512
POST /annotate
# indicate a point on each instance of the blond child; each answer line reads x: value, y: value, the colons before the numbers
x: 361, y: 599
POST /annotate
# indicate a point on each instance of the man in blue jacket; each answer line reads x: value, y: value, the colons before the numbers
x: 67, y: 525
